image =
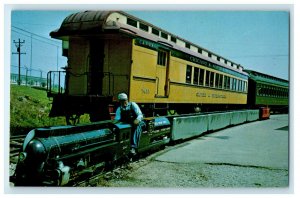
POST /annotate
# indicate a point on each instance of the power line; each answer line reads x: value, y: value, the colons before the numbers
x: 35, y: 34
x: 24, y: 67
x: 36, y: 24
x: 258, y: 56
x: 36, y: 39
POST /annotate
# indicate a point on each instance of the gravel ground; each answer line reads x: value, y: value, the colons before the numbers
x: 149, y: 172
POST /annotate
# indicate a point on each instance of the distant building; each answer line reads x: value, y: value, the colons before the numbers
x: 28, y: 80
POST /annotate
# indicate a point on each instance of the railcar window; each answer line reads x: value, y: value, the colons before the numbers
x: 225, y: 82
x: 276, y: 92
x: 173, y: 39
x: 211, y: 80
x: 240, y: 85
x: 196, y: 76
x: 258, y: 91
x: 207, y: 76
x: 200, y: 50
x: 132, y: 22
x: 209, y: 55
x: 279, y: 92
x: 218, y: 58
x: 188, y: 74
x: 272, y: 92
x: 163, y: 35
x: 265, y: 93
x: 144, y: 27
x: 220, y: 81
x: 225, y: 61
x: 155, y: 31
x: 231, y: 83
x: 234, y: 84
x: 217, y: 79
x: 201, y: 77
x: 243, y: 86
x: 262, y: 91
x: 187, y: 45
x: 162, y: 58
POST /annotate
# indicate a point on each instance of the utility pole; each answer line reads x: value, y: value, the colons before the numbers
x: 18, y: 45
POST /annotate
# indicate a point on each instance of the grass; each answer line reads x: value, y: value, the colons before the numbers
x: 29, y: 108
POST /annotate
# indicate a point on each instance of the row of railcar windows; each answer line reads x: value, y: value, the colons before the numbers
x: 173, y: 39
x: 207, y: 78
x: 272, y: 91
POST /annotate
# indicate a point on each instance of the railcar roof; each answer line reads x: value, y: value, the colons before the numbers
x: 96, y: 22
x: 265, y: 78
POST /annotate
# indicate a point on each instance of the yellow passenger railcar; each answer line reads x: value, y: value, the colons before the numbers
x: 111, y: 52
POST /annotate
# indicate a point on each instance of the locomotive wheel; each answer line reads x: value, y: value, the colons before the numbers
x: 73, y: 119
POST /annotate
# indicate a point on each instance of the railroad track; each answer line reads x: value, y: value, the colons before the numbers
x: 16, y: 143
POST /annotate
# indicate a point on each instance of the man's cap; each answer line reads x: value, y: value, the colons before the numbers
x: 122, y: 96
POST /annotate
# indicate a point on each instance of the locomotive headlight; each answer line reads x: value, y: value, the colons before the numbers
x: 22, y: 156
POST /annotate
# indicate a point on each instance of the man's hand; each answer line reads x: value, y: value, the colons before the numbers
x: 115, y: 121
x: 136, y: 122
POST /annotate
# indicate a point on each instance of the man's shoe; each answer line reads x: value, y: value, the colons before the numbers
x: 132, y: 151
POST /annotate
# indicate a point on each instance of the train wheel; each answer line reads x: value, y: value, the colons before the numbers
x: 197, y: 109
x: 73, y: 119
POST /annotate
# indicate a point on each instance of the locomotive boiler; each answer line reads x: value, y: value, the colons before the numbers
x: 58, y: 156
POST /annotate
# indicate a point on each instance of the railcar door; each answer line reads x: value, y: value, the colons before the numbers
x: 162, y: 73
x: 96, y: 61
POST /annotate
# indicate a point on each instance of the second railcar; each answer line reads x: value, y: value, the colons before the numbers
x: 266, y: 90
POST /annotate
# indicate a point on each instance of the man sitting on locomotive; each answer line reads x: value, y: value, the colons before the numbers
x: 130, y: 112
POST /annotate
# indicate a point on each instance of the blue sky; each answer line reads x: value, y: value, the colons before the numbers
x: 258, y: 40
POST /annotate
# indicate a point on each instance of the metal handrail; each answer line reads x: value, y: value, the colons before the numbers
x: 51, y: 82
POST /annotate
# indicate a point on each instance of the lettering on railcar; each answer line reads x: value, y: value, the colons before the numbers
x: 204, y: 95
x: 199, y: 94
x: 218, y: 96
x: 198, y: 60
x: 145, y: 91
